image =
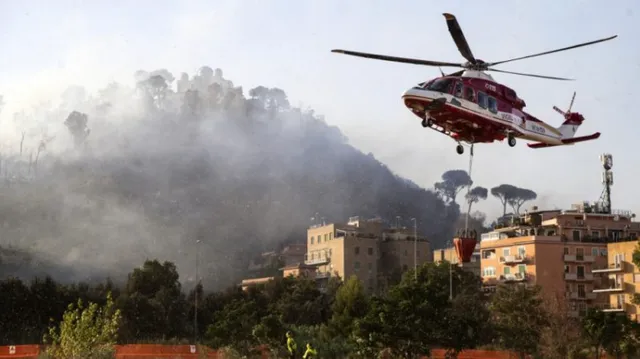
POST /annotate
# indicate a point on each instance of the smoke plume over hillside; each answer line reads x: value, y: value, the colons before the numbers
x: 97, y: 183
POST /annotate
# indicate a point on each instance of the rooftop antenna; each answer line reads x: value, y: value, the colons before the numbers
x: 607, y: 180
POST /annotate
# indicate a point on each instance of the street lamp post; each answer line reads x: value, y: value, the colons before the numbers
x: 415, y: 248
x: 195, y: 315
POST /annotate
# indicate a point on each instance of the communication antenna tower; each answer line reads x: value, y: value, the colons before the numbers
x: 607, y: 180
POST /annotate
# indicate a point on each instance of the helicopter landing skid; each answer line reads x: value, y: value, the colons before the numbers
x: 430, y: 124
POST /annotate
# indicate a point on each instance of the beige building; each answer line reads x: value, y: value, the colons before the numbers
x: 364, y: 248
x: 450, y: 255
x: 557, y: 250
x: 620, y: 279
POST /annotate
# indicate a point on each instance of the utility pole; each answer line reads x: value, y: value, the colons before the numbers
x: 451, y: 273
x: 195, y: 315
x: 415, y: 248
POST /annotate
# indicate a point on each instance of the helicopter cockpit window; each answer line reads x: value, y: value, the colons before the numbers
x: 493, y: 104
x: 482, y: 99
x: 457, y: 92
x: 440, y: 85
x: 468, y: 94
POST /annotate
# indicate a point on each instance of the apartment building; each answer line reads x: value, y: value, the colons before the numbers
x: 450, y: 255
x: 620, y: 279
x: 557, y: 250
x: 364, y: 248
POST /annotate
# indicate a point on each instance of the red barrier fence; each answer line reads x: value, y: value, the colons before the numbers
x: 154, y: 351
x: 475, y: 354
x: 20, y: 351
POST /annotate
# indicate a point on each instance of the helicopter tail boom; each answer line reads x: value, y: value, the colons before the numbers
x: 566, y: 142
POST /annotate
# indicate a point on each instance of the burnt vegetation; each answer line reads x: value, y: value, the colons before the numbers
x: 145, y: 172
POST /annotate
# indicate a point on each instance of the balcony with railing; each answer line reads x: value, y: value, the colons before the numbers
x: 609, y: 268
x: 323, y: 275
x: 582, y: 296
x: 578, y: 277
x: 619, y: 307
x: 610, y: 286
x: 316, y: 261
x: 579, y: 258
x: 515, y: 277
x: 514, y: 259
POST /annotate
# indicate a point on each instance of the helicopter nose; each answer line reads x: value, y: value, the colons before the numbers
x: 414, y: 91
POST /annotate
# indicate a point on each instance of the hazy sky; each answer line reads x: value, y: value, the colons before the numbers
x: 48, y: 45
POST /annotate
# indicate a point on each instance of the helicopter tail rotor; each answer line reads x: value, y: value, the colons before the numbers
x: 565, y: 113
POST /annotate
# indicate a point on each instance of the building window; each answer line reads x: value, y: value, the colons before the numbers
x: 326, y: 237
x: 489, y: 272
x: 356, y: 250
x: 330, y: 236
x: 580, y: 271
x: 636, y: 277
x: 521, y: 251
x: 505, y: 251
x: 576, y: 235
x: 594, y: 251
x: 566, y: 250
x: 582, y: 308
x: 311, y: 239
x: 581, y: 291
x: 370, y: 265
x: 522, y: 268
x: 595, y: 234
x: 507, y: 270
x: 370, y: 251
x: 567, y: 269
x: 356, y: 265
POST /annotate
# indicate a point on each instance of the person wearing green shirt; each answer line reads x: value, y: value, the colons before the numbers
x: 291, y: 345
x: 310, y: 352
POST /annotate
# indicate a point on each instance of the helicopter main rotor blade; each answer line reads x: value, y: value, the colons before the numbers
x: 531, y: 75
x: 458, y: 37
x: 552, y: 51
x: 397, y: 59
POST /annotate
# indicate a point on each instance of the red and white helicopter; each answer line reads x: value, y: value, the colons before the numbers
x: 470, y: 106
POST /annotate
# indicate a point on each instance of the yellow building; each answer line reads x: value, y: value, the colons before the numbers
x: 557, y: 250
x: 620, y: 279
x: 366, y: 249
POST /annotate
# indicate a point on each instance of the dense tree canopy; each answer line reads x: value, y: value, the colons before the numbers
x: 513, y: 196
x: 341, y: 320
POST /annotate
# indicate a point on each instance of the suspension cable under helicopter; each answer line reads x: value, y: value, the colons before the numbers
x: 466, y: 218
